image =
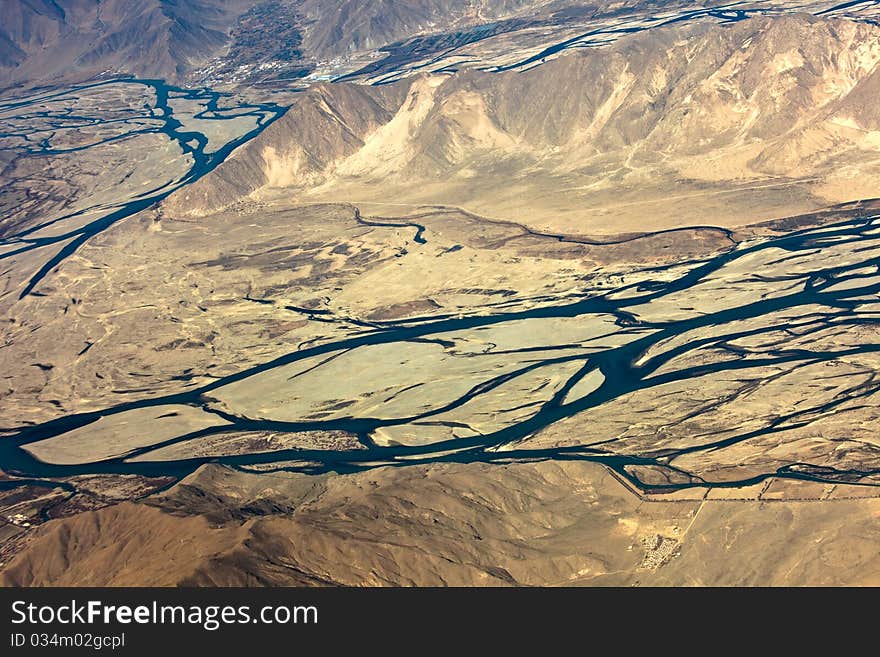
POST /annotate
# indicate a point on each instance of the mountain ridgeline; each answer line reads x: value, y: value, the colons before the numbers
x: 57, y: 40
x: 44, y: 40
x: 765, y: 100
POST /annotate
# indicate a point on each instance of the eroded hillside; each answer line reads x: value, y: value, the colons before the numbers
x: 681, y: 126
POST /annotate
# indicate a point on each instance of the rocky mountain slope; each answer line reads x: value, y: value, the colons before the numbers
x: 569, y: 524
x: 340, y: 26
x: 745, y: 122
x: 41, y: 40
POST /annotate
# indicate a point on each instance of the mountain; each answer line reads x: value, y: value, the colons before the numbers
x: 340, y: 26
x: 775, y: 113
x: 44, y: 39
x: 541, y: 523
x: 240, y: 43
x: 575, y: 301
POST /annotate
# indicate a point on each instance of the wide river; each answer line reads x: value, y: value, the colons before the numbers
x: 841, y: 287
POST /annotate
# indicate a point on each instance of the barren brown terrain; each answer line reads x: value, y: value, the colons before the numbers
x: 604, y: 315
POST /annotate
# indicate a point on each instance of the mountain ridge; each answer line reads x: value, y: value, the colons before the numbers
x: 764, y: 102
